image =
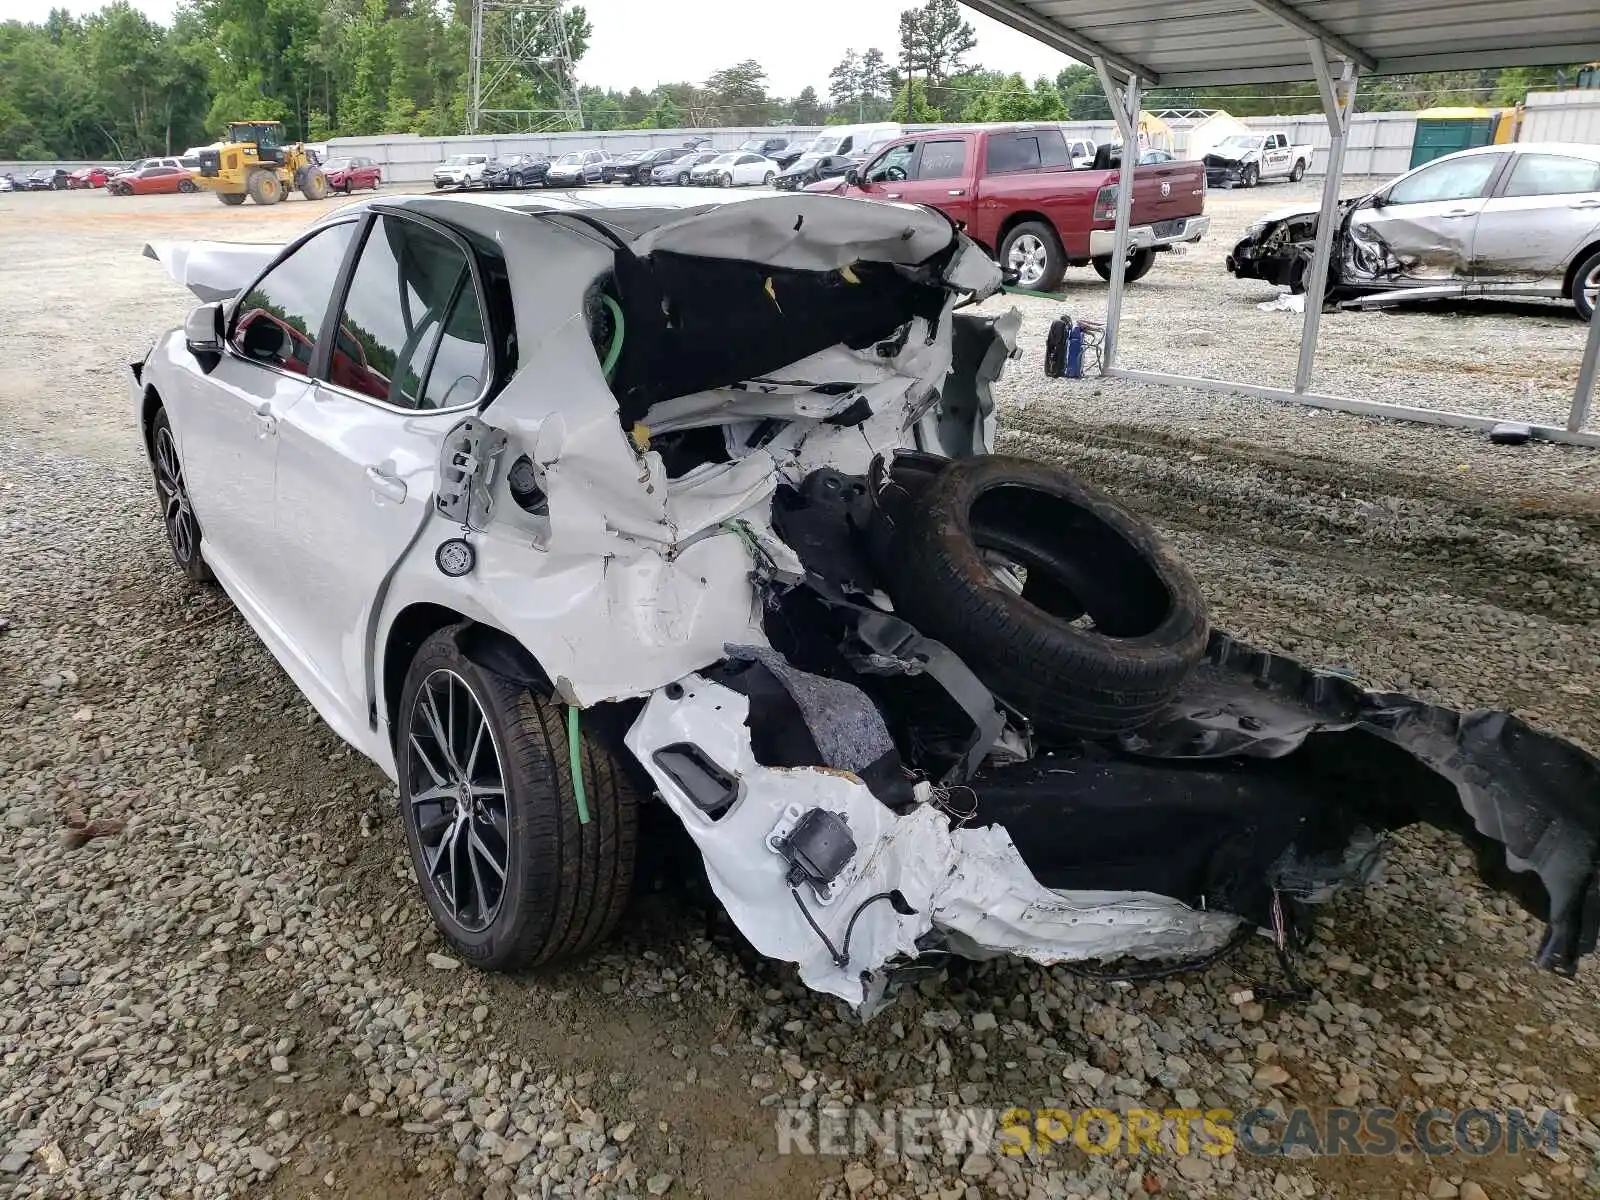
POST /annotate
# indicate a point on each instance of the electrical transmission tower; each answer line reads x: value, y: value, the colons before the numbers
x: 521, y: 75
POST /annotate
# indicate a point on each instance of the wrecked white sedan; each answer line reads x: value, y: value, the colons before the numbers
x: 551, y: 506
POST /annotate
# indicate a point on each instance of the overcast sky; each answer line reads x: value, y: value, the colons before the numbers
x: 645, y: 42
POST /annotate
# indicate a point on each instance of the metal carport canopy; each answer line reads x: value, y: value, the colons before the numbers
x: 1203, y: 43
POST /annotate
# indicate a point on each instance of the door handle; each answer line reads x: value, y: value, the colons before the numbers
x: 1587, y: 204
x: 1457, y: 212
x: 892, y: 195
x: 267, y: 422
x: 390, y: 487
x: 956, y: 192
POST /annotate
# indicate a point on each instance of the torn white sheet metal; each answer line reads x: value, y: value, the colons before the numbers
x: 213, y: 270
x: 806, y: 232
x: 969, y: 884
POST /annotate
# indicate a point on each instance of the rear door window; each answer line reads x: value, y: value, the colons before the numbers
x: 411, y: 333
x: 1027, y: 151
x: 1552, y: 175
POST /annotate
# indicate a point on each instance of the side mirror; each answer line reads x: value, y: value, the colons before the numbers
x: 202, y: 330
x: 1379, y: 200
x: 853, y: 177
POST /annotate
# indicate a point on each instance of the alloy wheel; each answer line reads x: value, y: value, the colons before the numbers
x: 176, y: 514
x: 457, y: 790
x: 1591, y: 288
x: 1027, y: 259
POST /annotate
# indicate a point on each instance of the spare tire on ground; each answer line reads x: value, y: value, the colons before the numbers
x: 1067, y: 606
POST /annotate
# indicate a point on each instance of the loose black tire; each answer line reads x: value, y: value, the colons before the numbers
x: 1139, y: 264
x: 566, y: 883
x: 1085, y: 556
x: 232, y: 199
x: 1588, y: 270
x: 1299, y: 172
x: 172, y: 495
x: 1055, y: 260
x: 1251, y: 176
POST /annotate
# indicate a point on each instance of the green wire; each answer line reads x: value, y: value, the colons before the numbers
x: 575, y: 761
x: 615, y: 352
x: 1022, y: 291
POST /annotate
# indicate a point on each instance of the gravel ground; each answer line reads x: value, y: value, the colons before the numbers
x: 218, y: 978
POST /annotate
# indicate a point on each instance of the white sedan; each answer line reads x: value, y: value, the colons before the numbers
x: 736, y: 169
x: 549, y: 507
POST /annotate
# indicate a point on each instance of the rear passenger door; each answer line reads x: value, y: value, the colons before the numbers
x: 358, y: 462
x: 1545, y: 209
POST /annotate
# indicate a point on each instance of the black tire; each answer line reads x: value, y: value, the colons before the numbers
x: 770, y: 176
x: 232, y: 199
x: 683, y: 179
x: 1299, y: 172
x: 1250, y: 176
x: 178, y: 521
x: 346, y: 187
x: 1055, y: 261
x: 264, y: 187
x: 1085, y: 557
x: 187, y: 185
x: 566, y: 883
x: 1139, y: 264
x: 1588, y: 269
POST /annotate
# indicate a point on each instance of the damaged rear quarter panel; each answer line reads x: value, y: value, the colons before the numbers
x: 631, y: 580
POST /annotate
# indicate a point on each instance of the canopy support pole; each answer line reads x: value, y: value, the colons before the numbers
x: 1125, y: 108
x: 1586, y: 377
x: 1337, y: 103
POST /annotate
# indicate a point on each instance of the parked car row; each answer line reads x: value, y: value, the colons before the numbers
x: 143, y: 176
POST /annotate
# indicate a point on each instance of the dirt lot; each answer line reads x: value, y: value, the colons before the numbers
x: 235, y: 995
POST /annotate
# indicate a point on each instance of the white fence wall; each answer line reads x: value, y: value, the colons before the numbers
x: 1561, y: 117
x: 1380, y: 143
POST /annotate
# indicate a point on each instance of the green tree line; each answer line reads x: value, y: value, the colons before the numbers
x: 115, y: 84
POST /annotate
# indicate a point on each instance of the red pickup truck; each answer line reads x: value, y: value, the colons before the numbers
x: 1016, y: 193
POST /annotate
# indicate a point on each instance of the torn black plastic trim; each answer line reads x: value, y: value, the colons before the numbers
x: 1525, y: 801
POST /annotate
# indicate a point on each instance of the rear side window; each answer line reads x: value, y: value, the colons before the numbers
x: 1026, y: 151
x: 411, y: 333
x: 1552, y: 175
x: 943, y: 159
x: 276, y: 323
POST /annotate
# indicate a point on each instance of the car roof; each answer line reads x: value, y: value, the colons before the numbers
x: 1568, y: 149
x: 577, y: 200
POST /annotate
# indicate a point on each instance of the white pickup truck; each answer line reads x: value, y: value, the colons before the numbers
x: 1245, y: 159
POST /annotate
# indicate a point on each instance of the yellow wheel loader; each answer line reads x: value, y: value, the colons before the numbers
x: 254, y: 162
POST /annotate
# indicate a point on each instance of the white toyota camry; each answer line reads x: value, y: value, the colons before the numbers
x: 550, y: 505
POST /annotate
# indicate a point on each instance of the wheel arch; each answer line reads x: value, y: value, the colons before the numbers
x: 1578, y: 259
x: 491, y: 648
x: 1019, y: 218
x: 148, y: 407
